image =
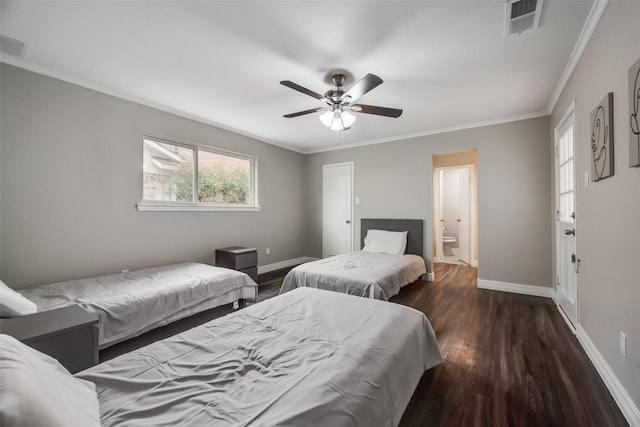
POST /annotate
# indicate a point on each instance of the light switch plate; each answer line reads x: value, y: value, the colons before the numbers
x: 623, y: 344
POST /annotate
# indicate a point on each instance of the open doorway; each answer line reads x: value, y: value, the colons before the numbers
x: 455, y: 208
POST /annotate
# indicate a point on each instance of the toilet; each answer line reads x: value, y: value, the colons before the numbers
x: 446, y: 245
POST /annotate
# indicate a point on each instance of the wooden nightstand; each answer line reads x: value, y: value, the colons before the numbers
x: 69, y: 334
x: 239, y: 258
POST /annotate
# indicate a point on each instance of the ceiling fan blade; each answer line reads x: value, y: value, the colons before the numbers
x: 380, y: 111
x: 362, y: 86
x: 302, y: 113
x: 295, y: 86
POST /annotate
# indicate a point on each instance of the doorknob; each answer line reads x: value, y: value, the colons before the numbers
x: 571, y: 232
x: 348, y: 222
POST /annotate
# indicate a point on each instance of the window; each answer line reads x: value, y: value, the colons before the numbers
x: 178, y: 176
x: 566, y: 210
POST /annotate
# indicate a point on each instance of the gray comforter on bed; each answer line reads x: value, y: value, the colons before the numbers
x: 361, y: 273
x: 305, y: 358
x: 131, y: 303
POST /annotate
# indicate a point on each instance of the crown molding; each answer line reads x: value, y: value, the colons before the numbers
x: 39, y: 69
x: 467, y: 126
x: 585, y: 35
x: 592, y: 21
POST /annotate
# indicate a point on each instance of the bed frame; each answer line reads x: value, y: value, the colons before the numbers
x: 414, y: 227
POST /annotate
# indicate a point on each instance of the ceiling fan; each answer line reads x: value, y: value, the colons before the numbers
x: 340, y: 103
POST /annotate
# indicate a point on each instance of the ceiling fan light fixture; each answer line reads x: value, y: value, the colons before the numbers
x: 347, y: 119
x: 337, y: 119
x: 337, y: 124
x: 326, y: 118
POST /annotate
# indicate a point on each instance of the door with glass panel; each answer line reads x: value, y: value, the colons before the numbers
x: 567, y: 263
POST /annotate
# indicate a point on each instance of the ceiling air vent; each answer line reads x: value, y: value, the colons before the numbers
x: 522, y: 15
x: 11, y: 46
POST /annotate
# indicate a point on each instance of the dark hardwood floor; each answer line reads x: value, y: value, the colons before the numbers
x: 510, y: 360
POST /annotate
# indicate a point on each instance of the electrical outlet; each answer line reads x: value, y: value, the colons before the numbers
x: 623, y: 344
x: 268, y: 251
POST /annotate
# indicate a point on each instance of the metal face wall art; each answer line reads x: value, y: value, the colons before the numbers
x: 602, y: 139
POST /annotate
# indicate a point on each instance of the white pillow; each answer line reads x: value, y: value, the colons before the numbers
x: 36, y: 390
x: 386, y: 242
x: 14, y: 304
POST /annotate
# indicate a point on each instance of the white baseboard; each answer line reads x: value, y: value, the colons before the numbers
x: 620, y: 395
x: 536, y: 291
x: 284, y: 264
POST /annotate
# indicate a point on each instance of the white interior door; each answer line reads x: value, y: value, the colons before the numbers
x: 437, y: 212
x: 464, y: 215
x: 337, y: 209
x: 566, y: 260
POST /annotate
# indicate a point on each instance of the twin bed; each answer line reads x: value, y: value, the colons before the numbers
x: 306, y: 357
x: 392, y: 257
x: 129, y: 304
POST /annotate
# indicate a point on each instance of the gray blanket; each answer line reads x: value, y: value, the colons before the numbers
x: 129, y: 304
x: 304, y: 358
x: 361, y: 273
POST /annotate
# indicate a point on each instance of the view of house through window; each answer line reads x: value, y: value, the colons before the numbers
x: 219, y: 179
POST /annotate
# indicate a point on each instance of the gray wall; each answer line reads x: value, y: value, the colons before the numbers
x: 71, y: 175
x: 607, y: 212
x: 394, y: 180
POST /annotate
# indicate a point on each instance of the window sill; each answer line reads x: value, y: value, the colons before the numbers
x: 170, y: 207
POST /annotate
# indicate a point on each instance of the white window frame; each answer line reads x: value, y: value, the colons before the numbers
x: 152, y: 205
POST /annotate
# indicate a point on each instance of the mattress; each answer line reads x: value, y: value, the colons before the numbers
x: 307, y: 357
x: 361, y: 273
x: 129, y: 304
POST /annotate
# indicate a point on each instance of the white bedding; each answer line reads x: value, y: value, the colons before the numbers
x: 305, y: 358
x: 360, y: 273
x: 129, y: 304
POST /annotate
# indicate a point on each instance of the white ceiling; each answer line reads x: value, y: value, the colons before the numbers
x: 445, y: 63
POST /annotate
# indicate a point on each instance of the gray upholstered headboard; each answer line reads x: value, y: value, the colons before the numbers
x: 414, y: 227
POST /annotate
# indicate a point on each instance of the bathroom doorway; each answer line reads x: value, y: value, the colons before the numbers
x: 455, y: 209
